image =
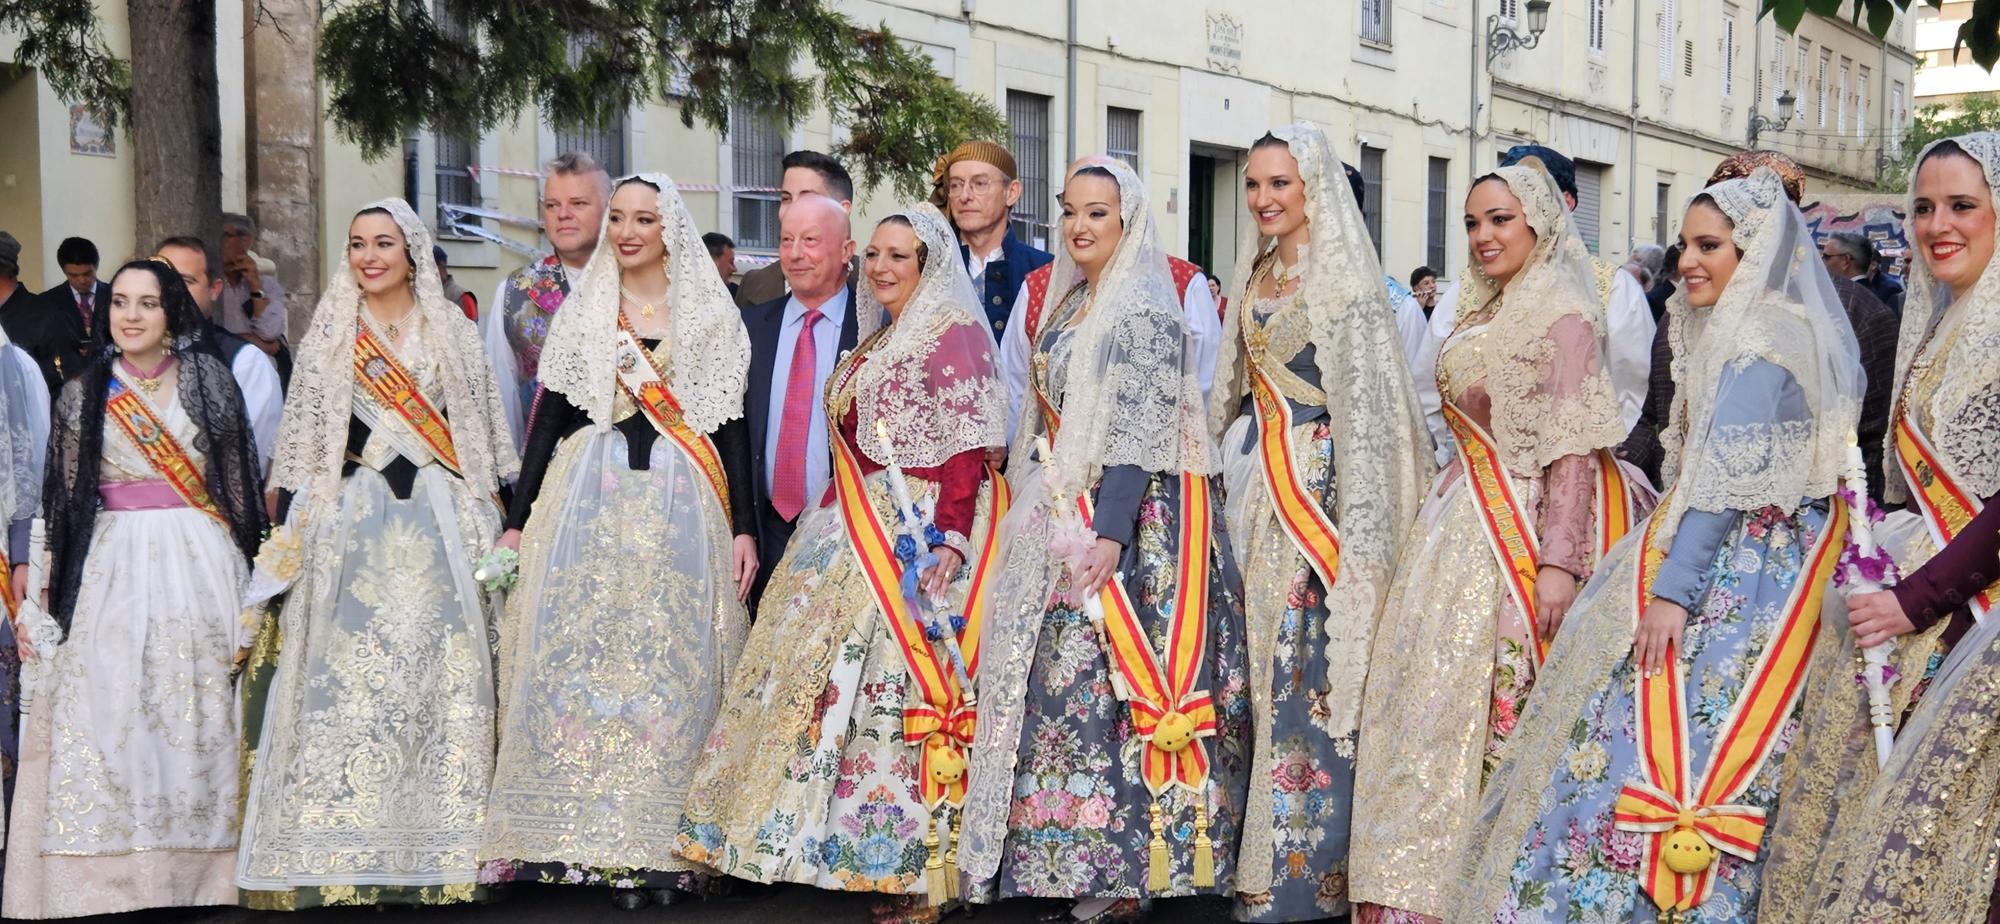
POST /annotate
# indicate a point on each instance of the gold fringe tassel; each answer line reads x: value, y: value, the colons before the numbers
x: 951, y: 888
x: 934, y: 863
x: 1204, y: 849
x: 1158, y: 878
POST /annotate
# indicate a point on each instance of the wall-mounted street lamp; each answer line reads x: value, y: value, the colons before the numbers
x: 1501, y: 38
x: 1758, y: 123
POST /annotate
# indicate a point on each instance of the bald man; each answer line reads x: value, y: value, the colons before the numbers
x: 1204, y: 321
x: 794, y: 341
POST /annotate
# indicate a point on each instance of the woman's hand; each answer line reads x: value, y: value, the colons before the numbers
x: 510, y: 540
x: 1555, y: 593
x: 743, y: 559
x: 25, y: 651
x: 1658, y: 634
x: 1098, y: 565
x: 937, y: 578
x: 1877, y: 618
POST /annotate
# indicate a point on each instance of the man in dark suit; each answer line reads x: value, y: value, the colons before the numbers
x: 807, y: 173
x: 795, y: 340
x: 51, y: 331
x: 81, y: 291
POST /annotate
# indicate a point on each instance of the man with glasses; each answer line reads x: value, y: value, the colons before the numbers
x: 977, y: 186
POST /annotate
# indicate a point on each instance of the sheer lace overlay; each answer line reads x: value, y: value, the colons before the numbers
x: 1781, y: 308
x: 1383, y: 459
x: 313, y: 437
x: 1132, y: 396
x: 931, y: 380
x: 707, y: 349
x: 1548, y: 402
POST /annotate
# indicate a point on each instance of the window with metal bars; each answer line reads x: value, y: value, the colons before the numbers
x: 1375, y: 20
x: 1597, y: 26
x: 1728, y: 55
x: 1122, y: 138
x: 1028, y: 123
x: 1371, y: 189
x: 454, y: 153
x: 757, y: 162
x: 1437, y: 211
x: 1840, y: 96
x: 1819, y: 86
x: 1663, y: 203
x: 604, y: 141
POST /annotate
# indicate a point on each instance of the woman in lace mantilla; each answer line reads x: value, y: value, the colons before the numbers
x: 128, y: 783
x: 1071, y: 796
x: 1524, y: 371
x: 1914, y: 841
x: 1725, y: 584
x: 1322, y: 487
x: 369, y: 696
x: 813, y: 773
x: 635, y: 560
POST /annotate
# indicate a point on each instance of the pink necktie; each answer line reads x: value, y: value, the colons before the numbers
x: 83, y: 308
x: 788, y: 482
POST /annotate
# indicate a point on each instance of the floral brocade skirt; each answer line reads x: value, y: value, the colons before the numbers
x: 1078, y: 822
x: 806, y: 776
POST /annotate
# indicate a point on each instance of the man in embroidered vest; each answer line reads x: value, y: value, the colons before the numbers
x: 1204, y: 321
x: 200, y: 266
x: 795, y: 339
x: 574, y: 193
x: 976, y: 184
x: 807, y: 173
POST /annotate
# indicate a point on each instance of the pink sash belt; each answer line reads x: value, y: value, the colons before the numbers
x: 139, y: 495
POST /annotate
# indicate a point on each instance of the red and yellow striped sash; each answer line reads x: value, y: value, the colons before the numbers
x: 377, y: 370
x: 1690, y: 820
x: 1946, y: 507
x: 1169, y: 714
x: 1614, y: 503
x: 1298, y: 511
x: 641, y: 377
x: 1509, y: 528
x: 164, y: 453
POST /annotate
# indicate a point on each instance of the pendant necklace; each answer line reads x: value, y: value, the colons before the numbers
x: 646, y: 305
x: 394, y: 329
x: 148, y: 381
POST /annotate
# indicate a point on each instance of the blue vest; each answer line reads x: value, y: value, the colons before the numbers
x: 1004, y: 277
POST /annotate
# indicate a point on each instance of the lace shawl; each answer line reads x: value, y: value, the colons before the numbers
x: 312, y: 441
x: 1779, y: 307
x: 932, y: 379
x: 1137, y: 398
x: 1957, y: 334
x: 707, y: 348
x: 1382, y: 449
x: 1547, y: 402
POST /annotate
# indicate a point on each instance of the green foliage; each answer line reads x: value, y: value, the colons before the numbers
x: 1975, y: 113
x: 60, y: 38
x: 1979, y: 34
x: 390, y: 69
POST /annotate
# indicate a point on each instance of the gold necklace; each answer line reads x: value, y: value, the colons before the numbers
x: 394, y: 329
x: 646, y: 305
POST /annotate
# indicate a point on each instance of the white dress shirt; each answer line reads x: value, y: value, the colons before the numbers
x: 263, y: 399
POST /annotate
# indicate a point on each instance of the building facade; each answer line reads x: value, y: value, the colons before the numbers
x: 1944, y: 77
x: 1646, y: 95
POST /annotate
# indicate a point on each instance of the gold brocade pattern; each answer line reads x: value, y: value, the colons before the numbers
x: 805, y: 776
x: 1274, y: 330
x: 1426, y: 716
x: 614, y: 653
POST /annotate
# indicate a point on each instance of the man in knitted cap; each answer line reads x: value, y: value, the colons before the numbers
x: 977, y: 186
x: 1875, y: 330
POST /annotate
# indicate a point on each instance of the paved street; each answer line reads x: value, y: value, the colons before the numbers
x: 530, y: 903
